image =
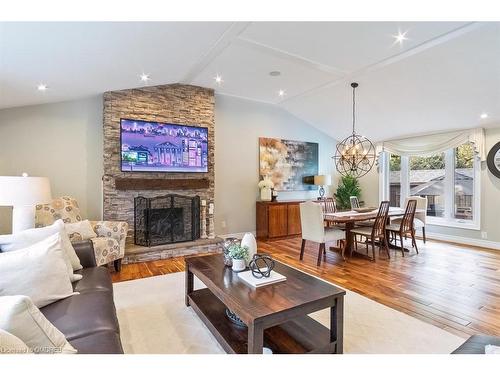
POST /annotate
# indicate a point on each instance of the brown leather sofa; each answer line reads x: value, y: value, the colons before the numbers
x: 88, y: 320
x: 476, y: 343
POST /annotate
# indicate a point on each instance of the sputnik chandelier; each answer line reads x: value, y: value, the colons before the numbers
x: 355, y: 155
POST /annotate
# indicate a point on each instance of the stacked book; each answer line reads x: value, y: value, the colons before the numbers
x: 255, y: 282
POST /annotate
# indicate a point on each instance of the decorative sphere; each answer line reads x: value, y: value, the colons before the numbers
x: 261, y: 265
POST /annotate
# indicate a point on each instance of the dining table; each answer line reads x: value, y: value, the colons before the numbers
x: 350, y: 218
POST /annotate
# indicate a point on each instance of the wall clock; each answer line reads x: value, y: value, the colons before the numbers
x: 493, y: 160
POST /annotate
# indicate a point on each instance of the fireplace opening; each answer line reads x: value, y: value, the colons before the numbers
x: 168, y: 219
x: 164, y: 222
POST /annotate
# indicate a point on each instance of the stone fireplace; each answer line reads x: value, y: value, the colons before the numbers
x: 166, y: 235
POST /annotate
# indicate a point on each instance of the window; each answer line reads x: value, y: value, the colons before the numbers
x: 464, y: 182
x: 449, y: 180
x: 427, y: 179
x: 395, y: 180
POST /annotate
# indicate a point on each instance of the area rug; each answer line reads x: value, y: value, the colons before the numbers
x: 154, y: 320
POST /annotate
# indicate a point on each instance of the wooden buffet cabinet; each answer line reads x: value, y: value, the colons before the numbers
x: 278, y: 219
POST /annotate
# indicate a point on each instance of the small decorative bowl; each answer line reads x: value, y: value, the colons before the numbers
x: 363, y: 210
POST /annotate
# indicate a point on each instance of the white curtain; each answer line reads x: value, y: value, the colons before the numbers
x: 435, y: 143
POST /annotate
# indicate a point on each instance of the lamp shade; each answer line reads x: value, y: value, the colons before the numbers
x: 323, y: 180
x: 24, y: 191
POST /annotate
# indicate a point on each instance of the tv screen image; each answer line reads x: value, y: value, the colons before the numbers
x: 148, y: 146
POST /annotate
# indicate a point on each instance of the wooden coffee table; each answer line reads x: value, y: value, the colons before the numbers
x: 276, y: 315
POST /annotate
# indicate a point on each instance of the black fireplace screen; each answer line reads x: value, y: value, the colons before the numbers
x: 167, y: 219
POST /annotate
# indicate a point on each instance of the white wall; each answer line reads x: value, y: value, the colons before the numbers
x: 62, y: 141
x: 490, y: 199
x: 239, y: 124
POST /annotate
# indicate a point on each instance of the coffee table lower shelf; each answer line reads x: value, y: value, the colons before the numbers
x: 300, y: 335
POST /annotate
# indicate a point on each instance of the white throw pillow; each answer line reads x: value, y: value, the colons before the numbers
x: 29, y: 237
x: 20, y: 317
x: 10, y: 344
x: 80, y: 231
x: 39, y: 271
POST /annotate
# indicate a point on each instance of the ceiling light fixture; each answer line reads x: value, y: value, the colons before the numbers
x: 42, y: 87
x: 281, y: 93
x: 145, y: 77
x: 401, y: 37
x: 484, y: 115
x: 218, y: 79
x: 355, y: 155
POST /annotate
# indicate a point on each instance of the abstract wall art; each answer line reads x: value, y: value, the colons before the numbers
x: 287, y: 162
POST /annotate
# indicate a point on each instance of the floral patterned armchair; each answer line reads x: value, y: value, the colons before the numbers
x: 109, y: 245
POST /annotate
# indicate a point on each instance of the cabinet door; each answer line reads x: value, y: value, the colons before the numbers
x: 294, y: 227
x: 261, y: 221
x: 278, y: 223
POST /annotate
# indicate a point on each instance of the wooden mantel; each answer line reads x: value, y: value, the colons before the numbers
x: 161, y: 183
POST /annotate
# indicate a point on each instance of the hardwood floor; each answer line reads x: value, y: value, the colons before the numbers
x: 453, y: 287
x: 147, y: 269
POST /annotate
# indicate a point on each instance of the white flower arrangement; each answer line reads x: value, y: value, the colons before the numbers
x: 266, y: 183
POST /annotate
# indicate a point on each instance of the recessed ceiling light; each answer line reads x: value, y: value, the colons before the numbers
x: 42, y: 87
x: 281, y: 93
x: 145, y: 77
x: 401, y: 37
x: 484, y: 115
x: 275, y: 73
x: 218, y: 79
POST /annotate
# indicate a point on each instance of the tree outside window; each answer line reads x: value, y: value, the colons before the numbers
x: 427, y: 175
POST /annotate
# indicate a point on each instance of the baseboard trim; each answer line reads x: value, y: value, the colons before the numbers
x: 491, y: 245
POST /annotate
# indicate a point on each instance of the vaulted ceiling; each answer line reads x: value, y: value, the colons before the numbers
x: 442, y: 76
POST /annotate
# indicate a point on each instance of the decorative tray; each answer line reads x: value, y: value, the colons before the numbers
x: 363, y: 210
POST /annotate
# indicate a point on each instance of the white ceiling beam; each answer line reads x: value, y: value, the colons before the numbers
x: 393, y: 59
x: 220, y: 93
x: 308, y: 63
x: 220, y: 45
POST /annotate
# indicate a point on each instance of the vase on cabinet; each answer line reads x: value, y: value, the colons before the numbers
x: 265, y: 194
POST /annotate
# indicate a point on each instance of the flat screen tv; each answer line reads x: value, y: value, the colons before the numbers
x: 148, y: 146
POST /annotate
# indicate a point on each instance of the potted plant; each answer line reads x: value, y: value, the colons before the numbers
x: 265, y: 187
x: 348, y: 187
x: 239, y: 255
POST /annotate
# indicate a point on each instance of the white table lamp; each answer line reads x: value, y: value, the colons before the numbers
x: 23, y: 193
x: 321, y: 181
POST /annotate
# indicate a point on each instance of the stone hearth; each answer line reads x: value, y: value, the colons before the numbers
x: 135, y: 254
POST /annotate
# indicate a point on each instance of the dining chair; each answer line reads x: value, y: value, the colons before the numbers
x: 330, y: 206
x: 354, y: 202
x: 376, y: 232
x: 420, y: 217
x: 405, y: 227
x: 313, y: 229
